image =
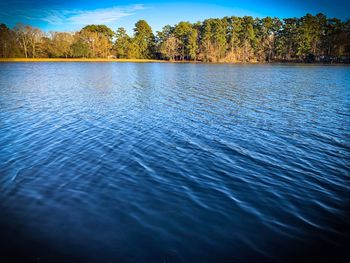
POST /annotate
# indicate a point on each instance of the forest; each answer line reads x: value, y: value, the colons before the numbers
x: 311, y: 38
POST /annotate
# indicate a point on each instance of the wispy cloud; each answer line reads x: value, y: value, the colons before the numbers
x: 54, y: 16
x: 101, y: 16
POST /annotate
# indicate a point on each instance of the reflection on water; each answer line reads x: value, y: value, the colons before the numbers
x: 105, y: 162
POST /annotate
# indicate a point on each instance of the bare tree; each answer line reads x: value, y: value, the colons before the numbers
x: 28, y: 38
x: 35, y: 36
x: 22, y: 34
x: 170, y: 48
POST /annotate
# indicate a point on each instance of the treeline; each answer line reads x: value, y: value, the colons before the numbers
x: 230, y: 39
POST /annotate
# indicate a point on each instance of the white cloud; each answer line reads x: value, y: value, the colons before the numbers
x: 99, y: 16
x: 53, y: 17
x: 78, y: 17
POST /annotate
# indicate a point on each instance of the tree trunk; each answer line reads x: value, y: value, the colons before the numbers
x: 25, y: 49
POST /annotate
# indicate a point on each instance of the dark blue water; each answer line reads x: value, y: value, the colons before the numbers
x: 112, y: 162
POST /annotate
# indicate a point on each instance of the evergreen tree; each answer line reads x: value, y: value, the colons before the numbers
x: 143, y: 40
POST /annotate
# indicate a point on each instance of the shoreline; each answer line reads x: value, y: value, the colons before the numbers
x: 78, y: 60
x: 132, y: 60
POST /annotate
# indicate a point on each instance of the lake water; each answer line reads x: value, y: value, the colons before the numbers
x: 126, y: 162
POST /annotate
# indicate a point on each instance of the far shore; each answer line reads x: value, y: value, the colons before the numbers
x: 135, y: 60
x: 77, y: 60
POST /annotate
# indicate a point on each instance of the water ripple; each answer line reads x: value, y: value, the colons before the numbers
x: 175, y: 162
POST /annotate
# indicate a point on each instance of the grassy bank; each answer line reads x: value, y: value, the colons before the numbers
x: 77, y: 60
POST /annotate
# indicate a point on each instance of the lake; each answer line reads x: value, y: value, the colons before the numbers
x: 162, y: 162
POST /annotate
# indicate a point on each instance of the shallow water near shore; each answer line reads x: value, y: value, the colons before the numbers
x: 108, y: 162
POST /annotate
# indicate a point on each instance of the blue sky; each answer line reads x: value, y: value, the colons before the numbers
x: 64, y: 15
